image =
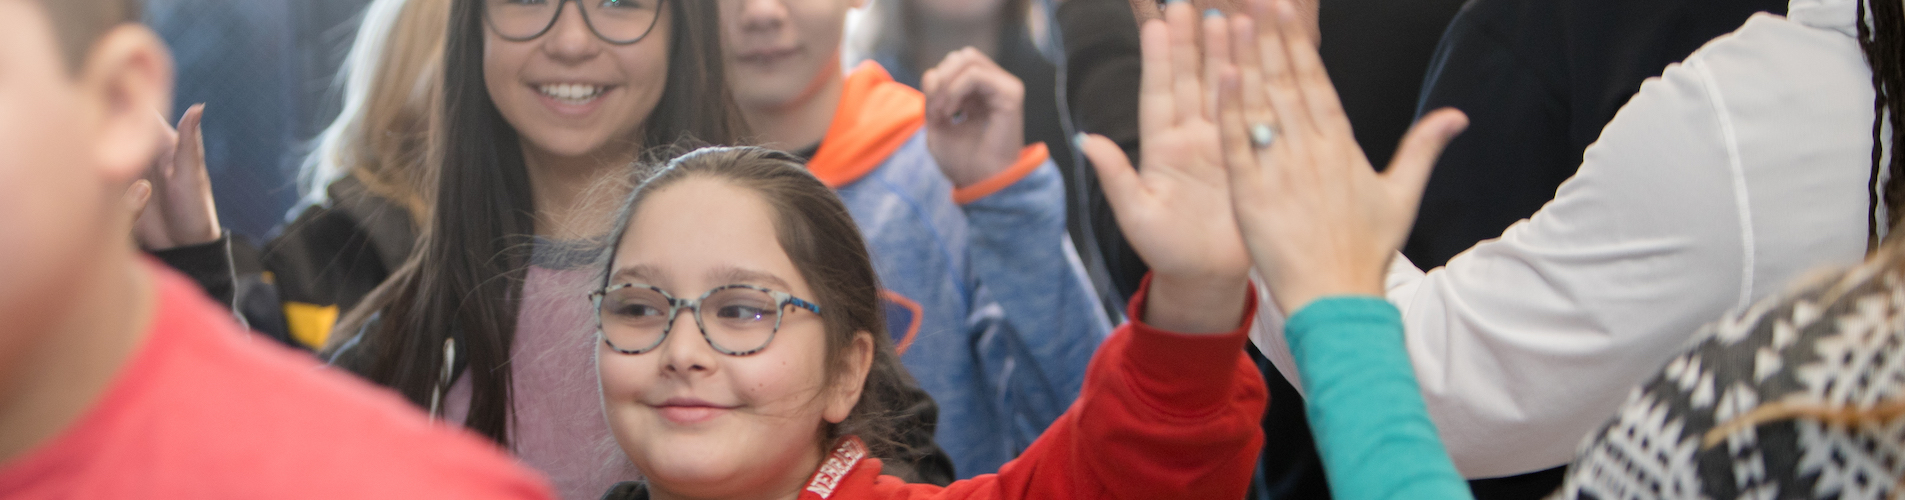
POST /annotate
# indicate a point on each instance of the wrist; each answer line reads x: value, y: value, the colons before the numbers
x: 980, y: 170
x: 1295, y: 295
x: 1185, y: 304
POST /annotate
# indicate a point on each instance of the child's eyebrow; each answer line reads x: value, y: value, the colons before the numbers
x: 734, y: 274
x: 641, y: 273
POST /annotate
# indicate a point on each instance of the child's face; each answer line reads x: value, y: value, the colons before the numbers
x: 570, y: 94
x: 70, y: 145
x: 780, y: 51
x: 697, y: 422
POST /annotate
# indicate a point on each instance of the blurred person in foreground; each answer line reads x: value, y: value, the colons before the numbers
x: 113, y: 369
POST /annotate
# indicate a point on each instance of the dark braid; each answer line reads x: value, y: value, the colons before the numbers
x: 1881, y: 44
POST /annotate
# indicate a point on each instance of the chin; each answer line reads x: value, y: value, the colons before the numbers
x: 567, y: 143
x: 696, y: 473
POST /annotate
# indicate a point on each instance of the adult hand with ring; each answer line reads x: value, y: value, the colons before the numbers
x: 1318, y: 220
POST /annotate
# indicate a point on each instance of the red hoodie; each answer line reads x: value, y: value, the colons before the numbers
x: 1160, y: 417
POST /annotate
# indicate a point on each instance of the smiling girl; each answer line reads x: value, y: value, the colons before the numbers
x: 540, y: 100
x: 741, y: 342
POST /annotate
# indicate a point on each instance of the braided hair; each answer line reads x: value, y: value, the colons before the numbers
x: 1881, y: 43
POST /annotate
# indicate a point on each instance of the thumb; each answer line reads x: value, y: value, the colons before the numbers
x: 1408, y: 172
x: 1115, y: 174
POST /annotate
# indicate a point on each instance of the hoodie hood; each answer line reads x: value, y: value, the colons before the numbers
x: 876, y: 117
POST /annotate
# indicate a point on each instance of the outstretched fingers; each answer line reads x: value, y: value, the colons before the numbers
x: 1278, y: 79
x: 1408, y: 172
x: 1321, y: 103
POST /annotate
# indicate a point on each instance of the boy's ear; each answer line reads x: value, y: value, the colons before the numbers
x: 125, y: 78
x: 853, y: 380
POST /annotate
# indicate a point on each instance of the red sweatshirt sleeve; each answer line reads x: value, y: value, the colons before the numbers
x: 1162, y: 415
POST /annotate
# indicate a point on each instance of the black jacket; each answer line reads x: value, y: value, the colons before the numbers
x: 1539, y: 79
x: 319, y: 266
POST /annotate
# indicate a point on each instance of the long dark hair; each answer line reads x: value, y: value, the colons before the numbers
x: 1884, y: 44
x: 464, y: 281
x: 821, y: 239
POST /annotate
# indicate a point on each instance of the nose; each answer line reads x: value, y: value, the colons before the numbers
x: 761, y: 15
x: 570, y: 39
x: 685, y: 350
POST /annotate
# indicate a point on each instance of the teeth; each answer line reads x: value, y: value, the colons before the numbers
x: 571, y: 93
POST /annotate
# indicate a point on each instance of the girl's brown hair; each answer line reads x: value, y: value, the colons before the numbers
x: 820, y: 237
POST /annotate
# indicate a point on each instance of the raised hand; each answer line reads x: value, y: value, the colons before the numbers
x: 975, y: 116
x: 1176, y: 209
x: 1317, y: 218
x: 178, y: 209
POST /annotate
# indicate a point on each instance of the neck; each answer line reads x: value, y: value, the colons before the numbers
x: 935, y: 39
x: 71, y: 360
x: 803, y: 122
x: 571, y: 199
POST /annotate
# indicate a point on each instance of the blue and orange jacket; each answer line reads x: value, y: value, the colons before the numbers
x: 990, y: 306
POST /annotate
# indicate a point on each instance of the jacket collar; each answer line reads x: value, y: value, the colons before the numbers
x: 835, y: 471
x: 842, y: 468
x: 875, y: 118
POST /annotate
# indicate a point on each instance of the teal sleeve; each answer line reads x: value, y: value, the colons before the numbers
x: 1371, y: 426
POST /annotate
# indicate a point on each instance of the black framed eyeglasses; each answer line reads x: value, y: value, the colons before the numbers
x: 618, y: 22
x: 634, y: 318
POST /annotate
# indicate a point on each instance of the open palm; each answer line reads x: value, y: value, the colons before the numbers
x: 1176, y: 210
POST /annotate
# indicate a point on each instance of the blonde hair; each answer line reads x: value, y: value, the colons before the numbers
x: 392, y: 79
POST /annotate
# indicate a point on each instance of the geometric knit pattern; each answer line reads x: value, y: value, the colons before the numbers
x: 1839, y: 344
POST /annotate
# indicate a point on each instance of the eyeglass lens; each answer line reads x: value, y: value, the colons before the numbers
x: 616, y: 21
x: 734, y: 319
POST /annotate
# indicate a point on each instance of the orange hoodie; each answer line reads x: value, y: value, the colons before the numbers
x: 875, y: 118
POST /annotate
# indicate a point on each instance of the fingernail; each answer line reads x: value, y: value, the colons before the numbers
x: 1213, y: 13
x: 1078, y: 142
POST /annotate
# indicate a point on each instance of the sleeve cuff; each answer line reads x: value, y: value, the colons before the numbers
x: 209, y: 264
x: 1030, y: 159
x: 1369, y: 310
x: 1178, y: 367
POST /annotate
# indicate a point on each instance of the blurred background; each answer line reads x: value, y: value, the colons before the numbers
x: 266, y: 71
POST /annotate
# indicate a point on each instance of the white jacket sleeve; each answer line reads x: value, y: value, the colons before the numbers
x: 1526, y: 343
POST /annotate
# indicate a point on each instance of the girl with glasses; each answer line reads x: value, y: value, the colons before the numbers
x: 742, y: 351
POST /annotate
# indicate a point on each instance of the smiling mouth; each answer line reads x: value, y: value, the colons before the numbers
x: 572, y: 93
x: 690, y: 414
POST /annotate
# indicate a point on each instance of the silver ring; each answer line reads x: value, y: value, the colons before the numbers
x: 1262, y: 135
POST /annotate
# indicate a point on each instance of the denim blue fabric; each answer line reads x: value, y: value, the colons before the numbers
x: 1009, y: 321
